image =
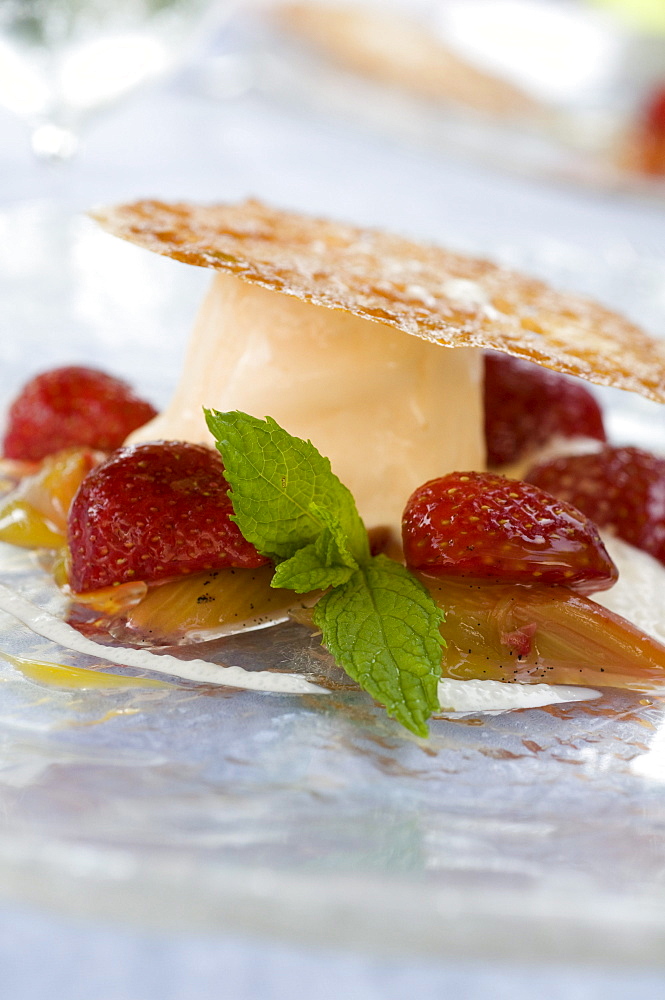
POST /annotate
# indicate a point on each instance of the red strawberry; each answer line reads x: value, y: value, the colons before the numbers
x: 154, y: 511
x: 618, y: 488
x: 651, y: 134
x: 526, y: 405
x: 654, y: 111
x: 72, y: 407
x: 476, y: 524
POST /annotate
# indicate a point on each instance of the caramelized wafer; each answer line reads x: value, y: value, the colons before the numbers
x: 423, y: 290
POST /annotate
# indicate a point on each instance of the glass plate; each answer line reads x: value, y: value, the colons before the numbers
x: 530, y: 834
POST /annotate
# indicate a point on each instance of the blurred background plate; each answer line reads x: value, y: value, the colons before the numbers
x: 571, y: 92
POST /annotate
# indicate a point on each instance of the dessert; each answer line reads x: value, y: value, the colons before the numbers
x: 372, y: 347
x: 373, y: 58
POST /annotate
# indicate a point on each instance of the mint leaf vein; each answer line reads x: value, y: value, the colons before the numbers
x: 382, y: 627
x: 377, y: 620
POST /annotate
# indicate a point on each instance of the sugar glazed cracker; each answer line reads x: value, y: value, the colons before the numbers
x: 428, y: 292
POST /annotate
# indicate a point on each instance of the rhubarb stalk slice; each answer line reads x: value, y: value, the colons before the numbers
x: 541, y: 635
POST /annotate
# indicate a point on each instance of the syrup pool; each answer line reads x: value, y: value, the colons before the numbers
x: 59, y: 675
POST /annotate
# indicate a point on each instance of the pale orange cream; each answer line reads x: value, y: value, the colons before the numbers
x: 389, y: 410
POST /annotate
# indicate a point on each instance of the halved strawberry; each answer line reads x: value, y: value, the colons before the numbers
x: 622, y: 489
x: 154, y: 511
x: 527, y: 405
x: 482, y: 525
x: 72, y: 406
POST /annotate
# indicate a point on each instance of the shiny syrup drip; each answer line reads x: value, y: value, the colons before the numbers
x: 60, y: 675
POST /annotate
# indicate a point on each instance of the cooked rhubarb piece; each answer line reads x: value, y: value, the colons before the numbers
x: 110, y: 602
x: 205, y: 605
x: 34, y: 515
x: 541, y: 634
x: 622, y: 489
x: 21, y: 524
x: 70, y: 407
x: 153, y: 511
x: 482, y: 525
x: 526, y: 406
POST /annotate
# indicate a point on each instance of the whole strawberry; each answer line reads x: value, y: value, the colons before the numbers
x: 153, y: 511
x: 526, y: 406
x: 622, y: 489
x: 72, y: 407
x: 481, y: 525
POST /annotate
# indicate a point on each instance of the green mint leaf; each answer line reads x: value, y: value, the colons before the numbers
x: 305, y: 572
x: 333, y: 544
x: 324, y: 563
x: 377, y: 620
x: 382, y: 627
x: 281, y: 485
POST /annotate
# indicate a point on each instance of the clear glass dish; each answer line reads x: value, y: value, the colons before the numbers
x: 534, y: 834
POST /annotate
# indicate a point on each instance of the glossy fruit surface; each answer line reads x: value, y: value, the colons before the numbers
x: 72, y: 406
x: 205, y: 605
x: 34, y: 514
x: 482, y: 525
x: 526, y: 406
x: 152, y: 511
x: 541, y: 635
x: 622, y: 489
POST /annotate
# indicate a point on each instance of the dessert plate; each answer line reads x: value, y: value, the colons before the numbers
x: 531, y: 834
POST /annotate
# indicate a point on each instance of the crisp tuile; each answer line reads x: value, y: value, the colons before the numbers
x: 418, y: 288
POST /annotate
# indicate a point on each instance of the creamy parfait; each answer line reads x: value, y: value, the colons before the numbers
x: 369, y: 345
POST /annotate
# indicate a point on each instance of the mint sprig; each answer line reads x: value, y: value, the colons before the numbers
x: 382, y: 626
x: 377, y: 620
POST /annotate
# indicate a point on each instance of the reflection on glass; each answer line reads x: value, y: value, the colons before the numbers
x: 61, y: 60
